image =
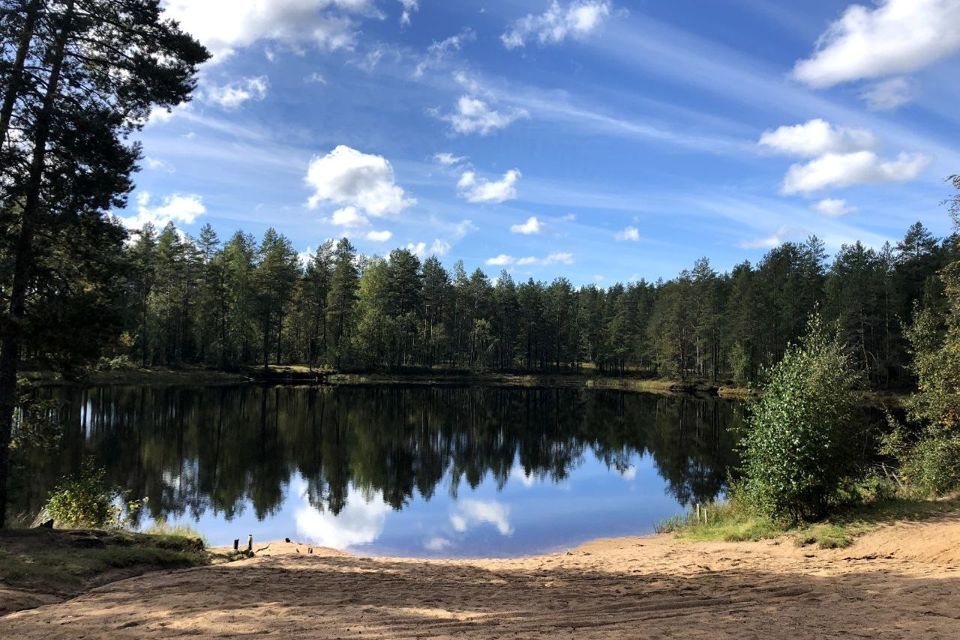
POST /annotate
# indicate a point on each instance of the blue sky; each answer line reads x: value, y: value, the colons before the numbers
x: 603, y: 140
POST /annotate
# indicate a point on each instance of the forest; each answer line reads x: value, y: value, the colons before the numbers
x: 178, y: 300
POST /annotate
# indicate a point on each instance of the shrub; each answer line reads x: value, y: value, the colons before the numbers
x: 800, y: 436
x: 931, y: 466
x: 84, y: 501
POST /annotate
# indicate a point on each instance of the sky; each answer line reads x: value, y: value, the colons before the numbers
x: 600, y: 140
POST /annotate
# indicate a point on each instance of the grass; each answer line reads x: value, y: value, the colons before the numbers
x: 162, y: 528
x: 66, y: 562
x: 732, y: 522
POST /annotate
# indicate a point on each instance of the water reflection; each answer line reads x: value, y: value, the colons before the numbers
x: 340, y: 463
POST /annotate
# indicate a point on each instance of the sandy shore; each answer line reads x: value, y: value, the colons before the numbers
x: 902, y: 581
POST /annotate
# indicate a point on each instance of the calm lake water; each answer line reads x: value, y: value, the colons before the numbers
x: 422, y: 471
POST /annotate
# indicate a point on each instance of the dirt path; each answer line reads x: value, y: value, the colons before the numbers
x: 899, y: 582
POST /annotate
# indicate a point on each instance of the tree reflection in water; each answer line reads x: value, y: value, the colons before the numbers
x: 217, y: 450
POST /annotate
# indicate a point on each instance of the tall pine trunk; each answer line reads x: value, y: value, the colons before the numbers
x: 23, y: 263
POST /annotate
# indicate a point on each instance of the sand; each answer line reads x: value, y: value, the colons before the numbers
x: 902, y: 581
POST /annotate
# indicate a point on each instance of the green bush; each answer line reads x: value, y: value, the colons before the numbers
x: 801, y: 437
x: 932, y: 465
x: 84, y: 501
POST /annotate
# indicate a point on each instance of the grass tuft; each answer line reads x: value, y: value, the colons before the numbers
x: 732, y: 521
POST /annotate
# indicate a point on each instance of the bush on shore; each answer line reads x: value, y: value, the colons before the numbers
x: 800, y: 437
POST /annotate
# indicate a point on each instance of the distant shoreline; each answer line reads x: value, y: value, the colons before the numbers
x: 298, y: 375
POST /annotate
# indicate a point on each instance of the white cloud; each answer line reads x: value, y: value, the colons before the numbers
x: 558, y: 258
x: 502, y: 260
x: 888, y: 94
x: 437, y: 248
x: 531, y: 227
x: 506, y: 260
x: 409, y: 7
x: 227, y: 25
x: 576, y: 20
x: 847, y: 169
x: 360, y: 522
x: 833, y: 207
x: 440, y: 247
x: 448, y: 159
x: 379, y: 236
x: 472, y: 512
x: 474, y: 115
x: 816, y: 137
x: 315, y: 78
x: 349, y: 217
x: 894, y: 37
x: 476, y: 190
x: 346, y: 176
x: 630, y: 473
x: 569, y: 218
x: 234, y: 94
x: 437, y: 52
x: 841, y: 157
x: 463, y: 228
x: 158, y: 165
x: 631, y: 234
x: 770, y: 242
x: 182, y: 209
x: 437, y: 543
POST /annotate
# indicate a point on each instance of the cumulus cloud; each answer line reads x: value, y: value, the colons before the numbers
x: 474, y: 115
x: 531, y: 227
x: 575, y: 20
x: 502, y: 260
x: 177, y: 208
x: 476, y: 190
x: 892, y: 38
x: 833, y: 207
x: 227, y: 25
x: 360, y: 522
x: 437, y: 248
x: 379, y: 236
x: 631, y: 234
x: 348, y: 217
x: 848, y: 169
x: 888, y: 94
x: 348, y: 177
x: 816, y: 137
x: 506, y: 260
x: 234, y: 94
x: 841, y: 157
x: 469, y: 513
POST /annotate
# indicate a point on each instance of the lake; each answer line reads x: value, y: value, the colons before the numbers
x: 394, y: 470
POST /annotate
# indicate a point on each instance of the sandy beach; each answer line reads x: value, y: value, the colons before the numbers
x: 902, y: 581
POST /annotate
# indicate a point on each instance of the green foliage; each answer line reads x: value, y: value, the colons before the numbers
x: 929, y: 455
x: 800, y: 444
x: 932, y: 465
x: 86, y: 501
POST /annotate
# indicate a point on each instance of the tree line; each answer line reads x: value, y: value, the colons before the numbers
x: 243, y: 302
